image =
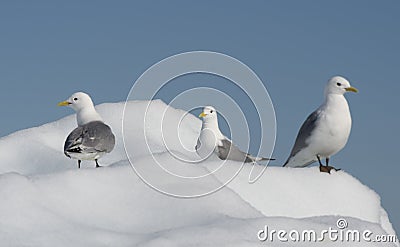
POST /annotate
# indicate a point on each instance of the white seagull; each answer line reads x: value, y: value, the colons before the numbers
x: 211, y: 140
x: 92, y: 138
x: 326, y: 130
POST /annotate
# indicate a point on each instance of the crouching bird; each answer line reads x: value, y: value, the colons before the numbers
x: 212, y: 141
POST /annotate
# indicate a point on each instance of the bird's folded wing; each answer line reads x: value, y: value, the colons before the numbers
x: 228, y: 151
x: 198, y: 145
x: 304, y: 133
x: 91, y: 137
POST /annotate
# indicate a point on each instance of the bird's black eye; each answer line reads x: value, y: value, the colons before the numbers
x: 211, y: 111
x: 75, y: 99
x: 339, y: 84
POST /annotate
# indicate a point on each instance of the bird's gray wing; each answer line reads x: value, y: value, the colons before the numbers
x: 198, y: 145
x: 73, y: 141
x: 304, y: 133
x: 228, y: 151
x: 92, y: 137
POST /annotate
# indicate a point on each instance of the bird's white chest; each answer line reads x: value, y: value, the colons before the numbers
x: 208, y: 140
x: 333, y: 127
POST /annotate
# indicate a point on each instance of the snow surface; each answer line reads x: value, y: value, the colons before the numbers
x: 47, y: 201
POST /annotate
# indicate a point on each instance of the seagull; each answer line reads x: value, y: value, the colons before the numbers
x: 326, y: 130
x: 92, y: 138
x: 211, y: 140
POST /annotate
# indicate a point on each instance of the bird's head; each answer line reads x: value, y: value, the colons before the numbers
x: 339, y: 85
x: 77, y: 101
x: 208, y: 113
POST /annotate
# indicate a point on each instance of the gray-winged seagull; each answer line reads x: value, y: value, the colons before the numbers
x: 211, y: 140
x: 92, y: 138
x: 326, y: 130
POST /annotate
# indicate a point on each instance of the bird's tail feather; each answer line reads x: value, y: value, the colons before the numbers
x: 256, y: 159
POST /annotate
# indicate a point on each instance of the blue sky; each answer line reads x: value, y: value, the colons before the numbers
x: 50, y: 49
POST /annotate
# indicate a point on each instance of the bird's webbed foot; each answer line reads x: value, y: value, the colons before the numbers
x: 327, y: 169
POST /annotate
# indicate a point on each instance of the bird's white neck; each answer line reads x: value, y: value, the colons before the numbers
x: 86, y: 115
x: 336, y: 102
x: 212, y: 124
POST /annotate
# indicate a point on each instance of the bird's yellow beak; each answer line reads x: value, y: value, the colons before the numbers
x: 63, y: 103
x: 202, y: 114
x: 351, y: 89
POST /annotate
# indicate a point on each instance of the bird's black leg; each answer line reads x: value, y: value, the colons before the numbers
x: 323, y: 168
x: 97, y: 164
x: 319, y: 160
x: 331, y: 167
x: 327, y: 168
x: 79, y: 164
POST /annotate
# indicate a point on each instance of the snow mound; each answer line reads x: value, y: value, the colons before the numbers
x: 47, y: 201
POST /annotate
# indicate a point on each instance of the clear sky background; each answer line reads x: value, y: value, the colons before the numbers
x: 50, y: 49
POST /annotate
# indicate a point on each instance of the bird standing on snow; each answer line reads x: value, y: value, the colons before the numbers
x: 92, y: 138
x: 326, y: 130
x: 211, y: 140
